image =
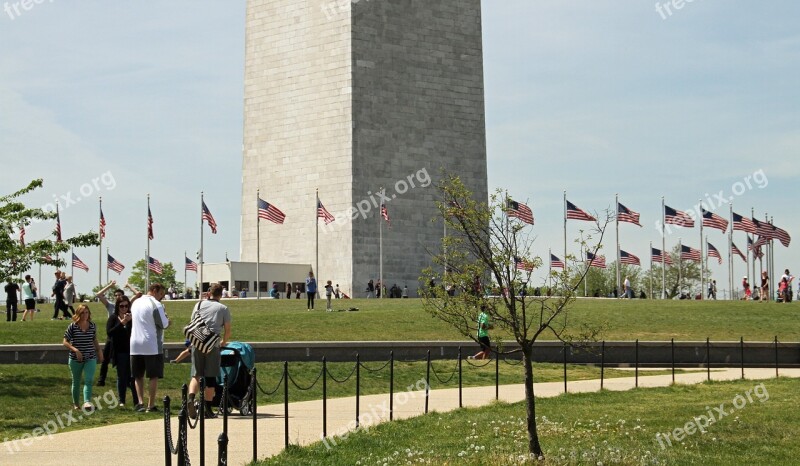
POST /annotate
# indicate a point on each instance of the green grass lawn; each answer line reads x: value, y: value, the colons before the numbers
x: 591, y: 429
x: 33, y: 394
x: 404, y: 319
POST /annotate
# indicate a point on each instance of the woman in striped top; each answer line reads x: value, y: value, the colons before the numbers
x: 84, y: 351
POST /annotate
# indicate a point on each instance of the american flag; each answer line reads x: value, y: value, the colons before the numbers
x: 628, y: 258
x: 522, y: 264
x: 596, y: 261
x: 190, y: 264
x: 761, y: 241
x: 656, y: 254
x: 209, y: 218
x: 712, y: 220
x: 269, y: 212
x: 154, y: 265
x: 58, y: 225
x: 738, y: 252
x: 102, y: 224
x: 323, y: 213
x: 690, y: 254
x: 79, y: 263
x: 555, y: 262
x: 757, y: 252
x: 520, y: 211
x: 625, y: 214
x: 114, y: 264
x: 714, y: 252
x: 574, y: 213
x: 149, y: 224
x: 782, y: 236
x: 763, y: 229
x: 743, y: 224
x: 676, y: 217
x: 385, y: 214
x: 47, y: 259
x: 22, y: 235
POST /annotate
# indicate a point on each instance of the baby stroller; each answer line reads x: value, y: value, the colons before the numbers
x: 237, y: 361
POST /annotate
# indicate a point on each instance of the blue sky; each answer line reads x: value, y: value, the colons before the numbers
x: 596, y: 98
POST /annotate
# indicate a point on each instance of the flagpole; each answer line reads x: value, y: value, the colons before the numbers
x: 619, y: 273
x: 753, y: 281
x: 586, y: 277
x: 316, y: 226
x: 185, y: 284
x: 730, y: 252
x: 380, y: 250
x: 769, y: 261
x: 651, y: 270
x: 564, y: 205
x: 772, y: 262
x: 200, y: 274
x: 258, y: 247
x: 702, y: 254
x: 100, y: 249
x: 72, y: 262
x: 147, y: 252
x: 549, y: 269
x: 663, y: 250
x: 107, y: 277
x: 680, y: 264
x: 58, y: 224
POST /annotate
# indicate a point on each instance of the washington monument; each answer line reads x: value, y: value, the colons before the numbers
x: 349, y: 98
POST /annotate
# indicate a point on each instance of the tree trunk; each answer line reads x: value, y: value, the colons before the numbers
x: 530, y: 400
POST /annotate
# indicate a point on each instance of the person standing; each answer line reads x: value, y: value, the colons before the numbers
x: 29, y: 296
x: 69, y: 294
x: 714, y: 289
x: 218, y: 319
x: 297, y: 292
x: 328, y: 295
x: 118, y: 329
x: 84, y: 350
x: 11, y: 300
x: 311, y: 289
x: 748, y: 293
x: 628, y: 289
x: 405, y: 291
x: 337, y: 292
x: 112, y: 311
x: 58, y: 294
x: 288, y: 290
x: 370, y: 288
x: 483, y: 335
x: 764, y: 295
x: 147, y: 343
x: 789, y: 279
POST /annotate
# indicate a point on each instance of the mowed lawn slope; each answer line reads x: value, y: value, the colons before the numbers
x: 405, y: 319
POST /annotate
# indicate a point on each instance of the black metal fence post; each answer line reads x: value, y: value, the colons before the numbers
x: 602, y: 362
x: 460, y: 403
x: 391, y: 385
x: 202, y: 421
x: 358, y: 387
x: 427, y: 380
x: 167, y: 446
x: 741, y: 350
x: 183, y: 421
x: 225, y: 406
x: 253, y: 390
x: 708, y: 358
x: 222, y: 448
x: 564, y: 349
x: 672, y: 347
x: 776, y: 355
x: 496, y: 376
x: 324, y: 397
x: 637, y: 364
x: 286, y: 404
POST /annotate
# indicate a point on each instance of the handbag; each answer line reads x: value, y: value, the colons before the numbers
x: 199, y: 335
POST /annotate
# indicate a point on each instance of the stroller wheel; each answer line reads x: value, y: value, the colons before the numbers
x: 246, y: 406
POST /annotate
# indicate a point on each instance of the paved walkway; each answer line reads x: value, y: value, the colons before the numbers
x: 142, y: 442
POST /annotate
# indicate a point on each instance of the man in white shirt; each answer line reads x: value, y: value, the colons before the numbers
x: 789, y: 279
x: 148, y: 320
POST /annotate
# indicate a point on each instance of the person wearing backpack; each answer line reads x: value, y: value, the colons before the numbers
x: 217, y: 318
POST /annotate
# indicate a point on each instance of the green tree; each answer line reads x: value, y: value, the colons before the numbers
x: 167, y: 277
x: 484, y: 243
x: 681, y: 276
x: 16, y: 258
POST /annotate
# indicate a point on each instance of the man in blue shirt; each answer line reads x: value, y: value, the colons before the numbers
x: 311, y: 289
